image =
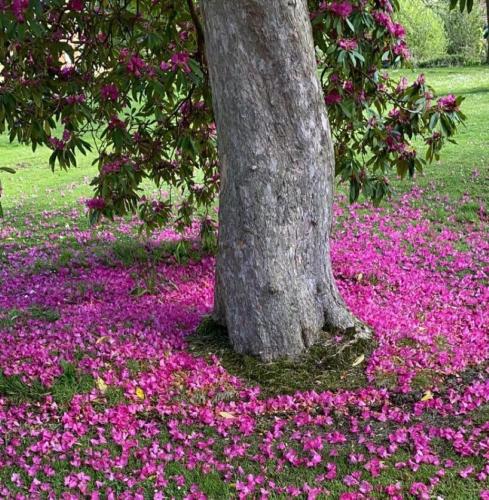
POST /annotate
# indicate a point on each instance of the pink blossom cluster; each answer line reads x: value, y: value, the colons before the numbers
x: 95, y: 203
x: 18, y: 8
x: 60, y: 144
x: 448, y: 103
x: 115, y: 165
x: 348, y: 44
x: 384, y: 19
x: 109, y: 92
x: 76, y: 5
x: 341, y: 9
x: 75, y: 99
x: 178, y: 60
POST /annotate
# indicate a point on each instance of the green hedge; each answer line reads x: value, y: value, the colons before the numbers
x: 447, y: 61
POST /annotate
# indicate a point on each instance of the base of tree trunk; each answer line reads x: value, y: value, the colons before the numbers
x: 356, y: 336
x: 357, y: 339
x: 303, y: 316
x: 327, y: 365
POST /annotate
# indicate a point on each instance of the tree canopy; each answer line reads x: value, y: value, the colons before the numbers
x: 130, y: 79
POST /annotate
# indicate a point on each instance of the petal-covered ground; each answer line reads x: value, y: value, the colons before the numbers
x: 100, y: 397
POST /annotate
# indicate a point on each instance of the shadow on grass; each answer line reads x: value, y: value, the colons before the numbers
x: 473, y: 90
x: 328, y: 365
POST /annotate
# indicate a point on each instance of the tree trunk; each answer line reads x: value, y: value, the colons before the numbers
x: 275, y: 289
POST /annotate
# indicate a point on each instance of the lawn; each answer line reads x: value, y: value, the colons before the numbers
x: 109, y: 388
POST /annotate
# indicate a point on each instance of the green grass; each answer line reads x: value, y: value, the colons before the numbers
x: 10, y: 318
x: 69, y: 383
x: 34, y: 186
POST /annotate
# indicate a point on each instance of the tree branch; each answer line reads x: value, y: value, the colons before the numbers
x: 200, y: 34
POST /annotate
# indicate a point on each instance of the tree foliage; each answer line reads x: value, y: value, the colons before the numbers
x: 133, y: 75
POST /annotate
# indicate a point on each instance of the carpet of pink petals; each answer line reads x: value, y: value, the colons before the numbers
x: 423, y: 287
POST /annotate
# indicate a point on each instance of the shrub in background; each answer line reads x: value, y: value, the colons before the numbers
x: 464, y: 31
x: 425, y: 30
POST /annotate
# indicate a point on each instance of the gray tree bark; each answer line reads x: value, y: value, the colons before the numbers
x: 275, y: 289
